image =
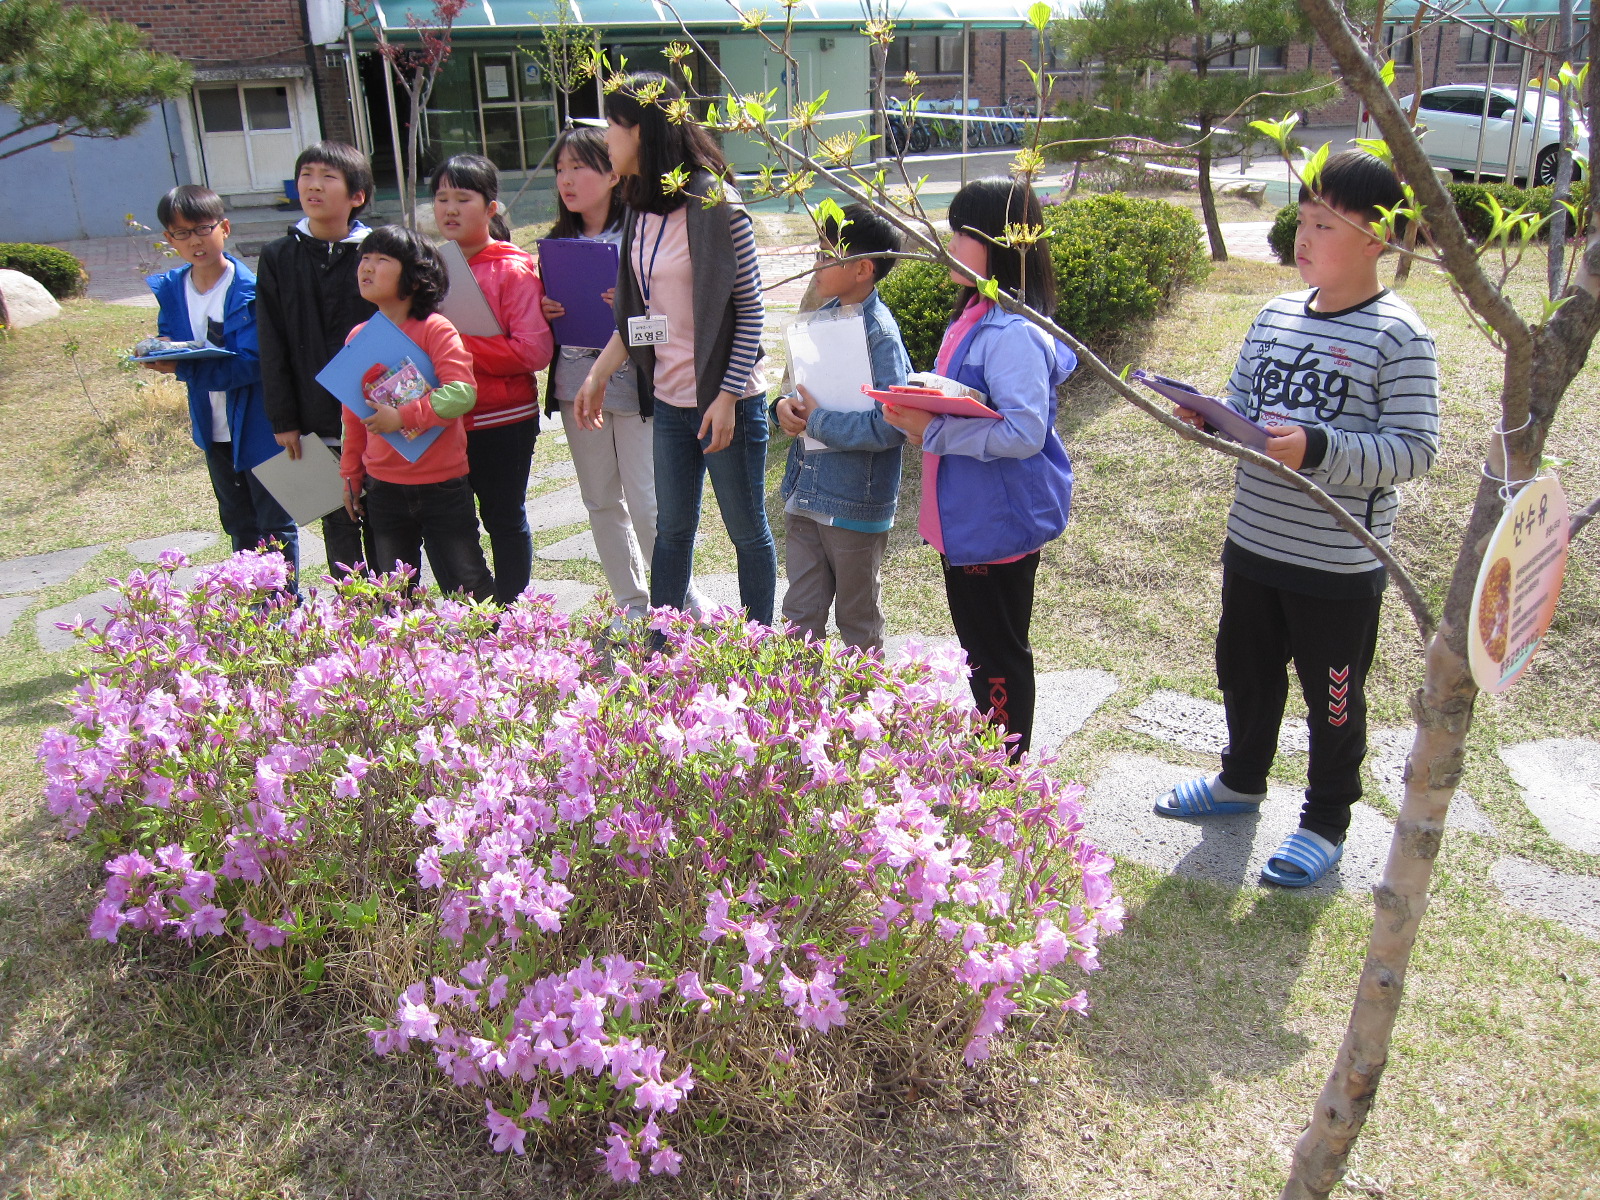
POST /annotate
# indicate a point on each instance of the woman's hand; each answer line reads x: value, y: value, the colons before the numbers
x: 552, y: 309
x: 718, y: 422
x: 610, y: 296
x: 586, y: 404
x: 913, y: 422
x: 385, y: 418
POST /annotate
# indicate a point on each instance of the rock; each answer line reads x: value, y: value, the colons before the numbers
x: 1202, y: 726
x: 12, y: 607
x: 190, y: 541
x: 37, y: 571
x: 1573, y: 900
x: 1560, y: 778
x: 1386, y: 757
x: 24, y: 301
x: 578, y: 546
x: 1066, y: 699
x: 1120, y: 819
x: 557, y: 510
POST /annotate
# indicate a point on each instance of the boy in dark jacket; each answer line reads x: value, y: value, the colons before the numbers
x: 307, y: 303
x: 211, y: 298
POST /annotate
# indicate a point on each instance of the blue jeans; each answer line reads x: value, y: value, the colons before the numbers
x: 498, y: 461
x: 248, y: 511
x: 738, y: 476
x: 404, y: 516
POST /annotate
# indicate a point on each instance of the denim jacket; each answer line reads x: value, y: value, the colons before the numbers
x: 858, y: 477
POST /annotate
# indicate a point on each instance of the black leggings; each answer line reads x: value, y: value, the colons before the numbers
x: 1331, y: 643
x: 991, y: 607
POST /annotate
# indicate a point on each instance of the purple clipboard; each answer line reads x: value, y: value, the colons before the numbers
x: 575, y: 271
x: 1220, y: 418
x: 380, y: 341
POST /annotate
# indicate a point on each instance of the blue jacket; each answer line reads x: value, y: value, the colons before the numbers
x: 858, y: 477
x: 239, y: 376
x: 1004, y: 487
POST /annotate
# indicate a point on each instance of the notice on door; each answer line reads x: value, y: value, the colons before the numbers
x: 496, y: 83
x: 1518, y: 585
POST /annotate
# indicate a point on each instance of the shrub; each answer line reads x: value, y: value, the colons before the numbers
x: 1281, y: 236
x: 1472, y: 204
x: 608, y: 888
x: 61, y: 273
x: 1117, y: 259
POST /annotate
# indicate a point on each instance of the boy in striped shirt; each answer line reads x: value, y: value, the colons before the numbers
x: 1345, y: 377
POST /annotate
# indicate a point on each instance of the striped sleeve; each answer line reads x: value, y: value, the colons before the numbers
x: 748, y: 312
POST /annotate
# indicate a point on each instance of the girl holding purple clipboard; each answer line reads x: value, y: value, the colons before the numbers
x: 995, y: 491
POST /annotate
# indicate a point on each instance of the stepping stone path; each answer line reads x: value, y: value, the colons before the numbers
x: 1386, y: 758
x: 565, y: 469
x: 189, y: 542
x: 578, y: 546
x: 91, y: 607
x: 1560, y: 778
x: 569, y: 595
x: 1201, y: 725
x: 1065, y: 701
x: 1231, y: 850
x: 12, y: 607
x: 43, y: 570
x: 557, y: 510
x: 1572, y: 900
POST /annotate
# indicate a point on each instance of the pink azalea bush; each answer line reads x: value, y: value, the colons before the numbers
x: 615, y: 880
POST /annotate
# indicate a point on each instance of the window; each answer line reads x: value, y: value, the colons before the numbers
x: 1399, y: 45
x: 219, y: 110
x: 1477, y: 40
x: 1231, y: 52
x: 267, y: 107
x: 926, y: 54
x: 1453, y: 102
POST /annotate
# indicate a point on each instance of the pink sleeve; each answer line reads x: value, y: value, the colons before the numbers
x: 516, y: 293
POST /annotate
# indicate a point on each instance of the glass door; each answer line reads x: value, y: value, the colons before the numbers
x: 516, y: 111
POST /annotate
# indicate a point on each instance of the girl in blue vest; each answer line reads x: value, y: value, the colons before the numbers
x: 995, y: 491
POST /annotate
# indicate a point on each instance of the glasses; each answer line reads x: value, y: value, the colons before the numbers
x: 183, y: 235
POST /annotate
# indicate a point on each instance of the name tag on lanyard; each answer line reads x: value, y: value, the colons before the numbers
x: 649, y: 330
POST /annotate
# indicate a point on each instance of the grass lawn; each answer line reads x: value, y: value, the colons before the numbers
x: 133, y: 1072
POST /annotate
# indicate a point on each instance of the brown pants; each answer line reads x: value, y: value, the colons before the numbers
x: 841, y: 568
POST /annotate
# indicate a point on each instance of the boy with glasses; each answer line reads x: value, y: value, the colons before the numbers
x: 211, y: 298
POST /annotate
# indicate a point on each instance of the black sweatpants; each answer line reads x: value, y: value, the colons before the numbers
x: 991, y: 607
x: 1331, y: 643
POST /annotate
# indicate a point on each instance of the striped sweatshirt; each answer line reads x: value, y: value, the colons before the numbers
x: 1365, y: 384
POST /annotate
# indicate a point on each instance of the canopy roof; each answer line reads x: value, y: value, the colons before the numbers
x: 482, y: 18
x: 1481, y: 12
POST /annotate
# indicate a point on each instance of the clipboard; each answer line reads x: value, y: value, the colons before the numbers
x: 575, y: 271
x: 309, y: 488
x: 464, y: 304
x: 380, y: 341
x: 934, y: 401
x: 184, y: 355
x: 828, y: 356
x: 1220, y: 418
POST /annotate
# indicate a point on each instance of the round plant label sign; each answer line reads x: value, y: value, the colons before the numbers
x: 1518, y: 585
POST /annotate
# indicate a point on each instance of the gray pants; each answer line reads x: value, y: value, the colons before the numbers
x: 837, y: 567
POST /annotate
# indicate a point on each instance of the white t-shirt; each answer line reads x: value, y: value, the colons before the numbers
x: 205, y: 321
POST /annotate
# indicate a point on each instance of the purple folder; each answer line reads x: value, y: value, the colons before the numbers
x: 1220, y: 418
x: 575, y: 272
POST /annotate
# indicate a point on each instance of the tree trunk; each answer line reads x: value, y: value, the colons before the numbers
x: 1208, y: 202
x: 1539, y: 367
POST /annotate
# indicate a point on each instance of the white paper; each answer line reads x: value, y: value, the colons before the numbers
x: 496, y: 83
x: 828, y: 357
x: 309, y: 488
x: 465, y: 305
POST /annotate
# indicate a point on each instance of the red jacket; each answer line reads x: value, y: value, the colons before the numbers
x: 504, y: 365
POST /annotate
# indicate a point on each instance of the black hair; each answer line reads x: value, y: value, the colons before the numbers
x: 865, y: 232
x: 663, y: 144
x: 346, y: 160
x: 474, y: 173
x: 1356, y: 182
x: 987, y: 206
x: 196, y: 204
x: 423, y: 280
x: 588, y: 146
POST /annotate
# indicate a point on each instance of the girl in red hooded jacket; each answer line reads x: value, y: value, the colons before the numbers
x: 502, y: 428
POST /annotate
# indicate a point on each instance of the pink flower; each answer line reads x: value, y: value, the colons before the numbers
x: 666, y: 1160
x: 107, y: 920
x: 619, y: 1157
x: 504, y: 1132
x: 263, y: 935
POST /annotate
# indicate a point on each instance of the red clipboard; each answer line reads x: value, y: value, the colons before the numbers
x: 930, y: 400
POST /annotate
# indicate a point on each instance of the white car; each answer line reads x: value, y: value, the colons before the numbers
x: 1453, y: 114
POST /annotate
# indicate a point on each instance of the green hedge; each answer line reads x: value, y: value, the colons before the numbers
x: 1117, y: 259
x: 1281, y: 238
x: 61, y: 273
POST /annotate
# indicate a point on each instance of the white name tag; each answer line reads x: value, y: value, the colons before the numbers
x: 647, y: 331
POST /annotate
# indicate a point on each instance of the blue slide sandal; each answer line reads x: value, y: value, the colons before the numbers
x: 1300, y: 861
x: 1194, y: 799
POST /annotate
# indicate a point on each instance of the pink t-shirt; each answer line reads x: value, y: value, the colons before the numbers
x: 666, y: 280
x: 928, y: 513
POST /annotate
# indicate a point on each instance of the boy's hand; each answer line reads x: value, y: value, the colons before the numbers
x: 1287, y: 444
x: 291, y: 442
x: 913, y: 422
x: 1189, y: 416
x: 552, y: 308
x: 165, y: 365
x: 352, y: 498
x: 385, y: 418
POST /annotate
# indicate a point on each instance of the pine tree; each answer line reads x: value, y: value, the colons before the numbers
x: 66, y: 73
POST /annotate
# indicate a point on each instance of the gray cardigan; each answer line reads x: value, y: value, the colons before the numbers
x: 715, y: 269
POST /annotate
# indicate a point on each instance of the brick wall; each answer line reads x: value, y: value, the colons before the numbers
x: 212, y: 33
x: 993, y: 70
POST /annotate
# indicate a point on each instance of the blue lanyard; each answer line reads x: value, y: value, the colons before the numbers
x: 644, y: 279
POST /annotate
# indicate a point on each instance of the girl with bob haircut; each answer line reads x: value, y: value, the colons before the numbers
x: 994, y: 492
x: 409, y: 504
x: 504, y: 424
x: 689, y: 314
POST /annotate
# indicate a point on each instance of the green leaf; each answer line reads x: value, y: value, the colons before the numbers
x: 1378, y: 148
x: 1312, y: 171
x: 1039, y: 16
x: 828, y: 210
x: 990, y: 288
x: 1551, y: 308
x: 1386, y: 73
x: 1123, y: 374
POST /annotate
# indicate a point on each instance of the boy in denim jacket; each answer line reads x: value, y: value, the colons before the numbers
x: 839, y: 501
